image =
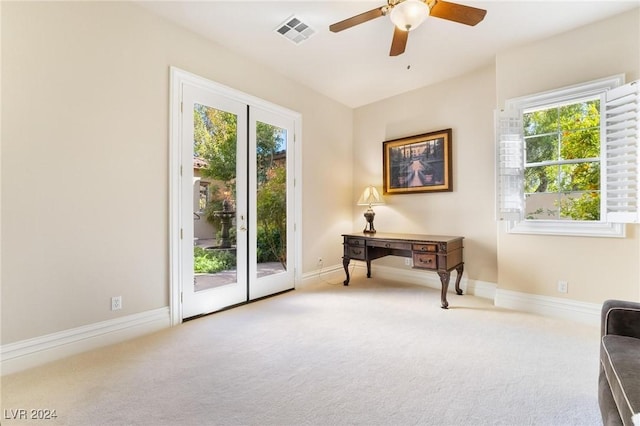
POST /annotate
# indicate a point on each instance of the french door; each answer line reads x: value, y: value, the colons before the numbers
x: 271, y: 195
x: 236, y: 201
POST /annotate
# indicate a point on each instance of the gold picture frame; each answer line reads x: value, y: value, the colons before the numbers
x: 420, y: 163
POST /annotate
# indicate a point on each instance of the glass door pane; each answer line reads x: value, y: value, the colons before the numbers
x: 271, y: 192
x: 271, y: 214
x: 214, y: 168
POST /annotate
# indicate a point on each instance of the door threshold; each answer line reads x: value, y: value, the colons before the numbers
x: 237, y: 304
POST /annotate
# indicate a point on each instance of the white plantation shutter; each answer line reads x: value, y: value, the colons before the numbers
x: 620, y: 154
x: 509, y: 165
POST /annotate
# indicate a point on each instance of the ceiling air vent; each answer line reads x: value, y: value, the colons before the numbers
x: 295, y: 30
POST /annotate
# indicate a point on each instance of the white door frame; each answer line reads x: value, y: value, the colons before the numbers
x: 178, y: 78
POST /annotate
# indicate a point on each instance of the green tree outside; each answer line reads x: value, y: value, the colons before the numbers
x: 215, y: 140
x: 272, y: 193
x: 562, y: 156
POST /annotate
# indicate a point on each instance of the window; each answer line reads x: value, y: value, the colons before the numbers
x: 567, y: 160
x: 562, y: 161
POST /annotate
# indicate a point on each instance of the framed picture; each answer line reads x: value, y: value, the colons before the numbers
x: 419, y: 163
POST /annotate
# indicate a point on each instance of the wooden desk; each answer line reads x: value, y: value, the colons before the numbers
x: 435, y: 253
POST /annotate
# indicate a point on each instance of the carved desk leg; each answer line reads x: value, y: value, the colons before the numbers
x: 345, y: 264
x: 368, y: 269
x: 459, y: 269
x: 444, y: 279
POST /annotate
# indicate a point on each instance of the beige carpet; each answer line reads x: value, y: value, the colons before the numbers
x: 373, y: 353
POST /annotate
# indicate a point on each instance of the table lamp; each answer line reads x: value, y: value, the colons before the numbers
x: 370, y: 196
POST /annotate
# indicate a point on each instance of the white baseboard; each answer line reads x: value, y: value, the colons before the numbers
x: 478, y: 288
x: 335, y: 274
x: 432, y: 280
x: 29, y: 353
x: 331, y: 274
x: 583, y: 312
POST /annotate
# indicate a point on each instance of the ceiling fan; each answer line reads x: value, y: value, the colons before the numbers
x: 407, y: 15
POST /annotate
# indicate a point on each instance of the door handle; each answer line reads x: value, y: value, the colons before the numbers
x: 242, y: 227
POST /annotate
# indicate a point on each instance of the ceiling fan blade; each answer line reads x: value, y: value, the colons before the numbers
x: 457, y: 12
x: 399, y: 41
x: 355, y: 20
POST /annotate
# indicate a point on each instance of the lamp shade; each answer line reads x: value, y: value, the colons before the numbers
x: 370, y: 196
x: 409, y: 14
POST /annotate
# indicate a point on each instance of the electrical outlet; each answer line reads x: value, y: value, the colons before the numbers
x: 563, y: 286
x: 116, y: 303
x: 408, y: 261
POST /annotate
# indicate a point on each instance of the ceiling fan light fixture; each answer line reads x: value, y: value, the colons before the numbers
x: 409, y: 14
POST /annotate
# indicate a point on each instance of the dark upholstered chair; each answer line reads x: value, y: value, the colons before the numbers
x: 619, y: 381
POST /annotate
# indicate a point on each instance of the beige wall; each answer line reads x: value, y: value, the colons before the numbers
x: 85, y: 138
x: 466, y: 105
x: 85, y: 101
x: 595, y: 268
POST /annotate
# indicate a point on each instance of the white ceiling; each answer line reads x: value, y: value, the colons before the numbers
x: 354, y: 66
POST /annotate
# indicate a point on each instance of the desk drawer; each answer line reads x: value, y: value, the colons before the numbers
x: 425, y: 261
x: 390, y: 245
x: 355, y: 242
x: 356, y: 252
x: 425, y: 247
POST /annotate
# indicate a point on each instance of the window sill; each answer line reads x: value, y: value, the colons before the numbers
x: 570, y: 229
